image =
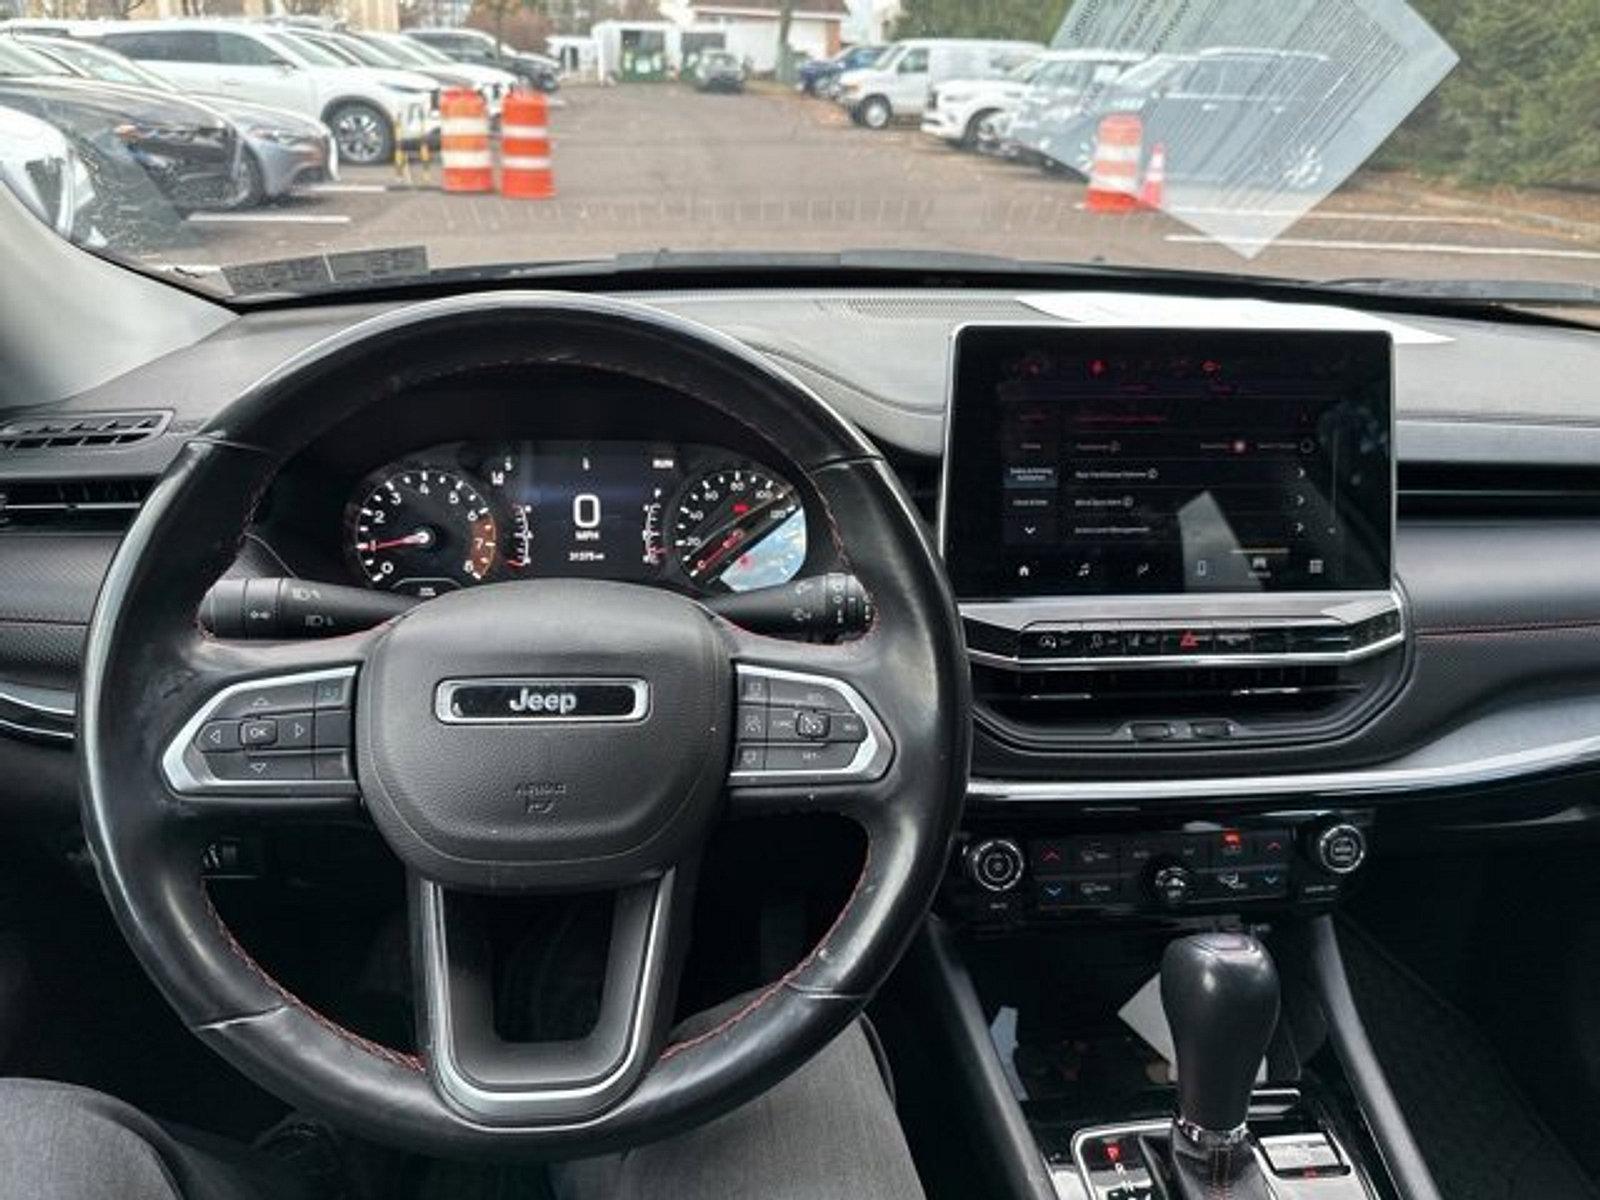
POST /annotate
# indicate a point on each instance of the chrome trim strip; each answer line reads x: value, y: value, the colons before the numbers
x: 179, y: 766
x: 871, y: 758
x: 1496, y: 768
x: 1176, y: 661
x: 34, y: 712
x: 445, y: 693
x: 505, y: 1106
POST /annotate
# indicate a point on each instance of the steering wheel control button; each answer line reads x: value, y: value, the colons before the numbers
x: 791, y: 691
x: 262, y: 731
x: 266, y: 698
x: 261, y: 768
x: 215, y: 737
x: 332, y: 728
x: 811, y: 725
x: 332, y: 764
x: 830, y: 756
x: 335, y: 692
x: 753, y: 722
x: 262, y: 736
x: 846, y: 727
x: 811, y: 729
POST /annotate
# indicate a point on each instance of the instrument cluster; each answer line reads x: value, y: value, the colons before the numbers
x: 683, y: 515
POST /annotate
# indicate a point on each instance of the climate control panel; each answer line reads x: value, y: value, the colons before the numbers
x: 1041, y: 873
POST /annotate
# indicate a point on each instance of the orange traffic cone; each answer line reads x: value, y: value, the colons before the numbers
x: 525, y: 172
x: 1114, y: 177
x: 464, y: 142
x: 1154, y: 192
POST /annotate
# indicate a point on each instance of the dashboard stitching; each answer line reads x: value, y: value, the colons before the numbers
x: 394, y: 1057
x: 783, y: 981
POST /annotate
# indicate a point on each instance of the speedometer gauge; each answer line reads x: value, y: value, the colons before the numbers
x: 739, y: 528
x: 423, y: 531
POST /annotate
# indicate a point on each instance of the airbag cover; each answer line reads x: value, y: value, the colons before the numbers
x: 500, y: 747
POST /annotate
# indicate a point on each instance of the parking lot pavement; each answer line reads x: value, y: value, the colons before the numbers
x: 647, y: 167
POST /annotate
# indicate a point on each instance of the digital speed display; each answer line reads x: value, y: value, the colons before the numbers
x: 1123, y: 462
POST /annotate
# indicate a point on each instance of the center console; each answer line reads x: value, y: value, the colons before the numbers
x: 1172, y: 549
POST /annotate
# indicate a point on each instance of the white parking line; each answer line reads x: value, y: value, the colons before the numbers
x: 1333, y: 215
x: 1289, y: 243
x: 316, y: 189
x: 267, y: 219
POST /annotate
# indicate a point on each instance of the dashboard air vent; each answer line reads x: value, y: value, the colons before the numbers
x: 1207, y: 707
x: 1473, y: 490
x: 89, y: 504
x: 84, y: 431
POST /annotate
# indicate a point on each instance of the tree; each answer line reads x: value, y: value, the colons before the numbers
x: 1522, y: 106
x: 1026, y: 20
x: 785, y: 54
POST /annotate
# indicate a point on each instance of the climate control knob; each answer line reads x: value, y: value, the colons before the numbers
x: 995, y: 865
x: 1173, y: 885
x: 1340, y: 848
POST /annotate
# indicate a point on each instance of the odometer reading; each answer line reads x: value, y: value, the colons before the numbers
x: 739, y: 528
x: 424, y: 531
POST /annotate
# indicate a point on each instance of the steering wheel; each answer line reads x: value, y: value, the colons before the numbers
x: 554, y: 735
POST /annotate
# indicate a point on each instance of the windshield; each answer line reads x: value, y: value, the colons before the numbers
x: 1434, y: 146
x: 311, y: 51
x: 415, y: 53
x: 100, y: 64
x: 17, y: 59
x: 364, y: 52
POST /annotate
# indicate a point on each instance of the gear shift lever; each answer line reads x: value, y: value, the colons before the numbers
x: 1220, y: 992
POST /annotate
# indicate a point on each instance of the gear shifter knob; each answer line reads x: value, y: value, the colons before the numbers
x: 1220, y: 992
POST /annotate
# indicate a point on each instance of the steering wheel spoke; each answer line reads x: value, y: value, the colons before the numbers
x: 500, y: 1082
x: 266, y: 730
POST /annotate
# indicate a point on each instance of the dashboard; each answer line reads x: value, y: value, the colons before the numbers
x: 693, y: 517
x: 1463, y: 654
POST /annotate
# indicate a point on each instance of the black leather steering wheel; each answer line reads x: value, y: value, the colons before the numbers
x: 481, y: 790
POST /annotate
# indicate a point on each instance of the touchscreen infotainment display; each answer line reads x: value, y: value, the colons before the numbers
x: 1092, y: 461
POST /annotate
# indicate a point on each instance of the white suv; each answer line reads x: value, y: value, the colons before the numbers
x: 971, y: 112
x: 369, y: 110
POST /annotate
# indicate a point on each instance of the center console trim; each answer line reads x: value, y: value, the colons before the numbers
x: 1497, y: 768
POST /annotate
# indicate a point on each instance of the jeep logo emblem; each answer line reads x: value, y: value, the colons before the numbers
x: 546, y: 701
x: 530, y: 701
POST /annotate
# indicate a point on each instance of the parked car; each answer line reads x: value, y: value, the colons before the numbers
x: 281, y: 148
x: 189, y: 152
x: 473, y: 46
x: 719, y: 71
x: 357, y: 51
x: 897, y: 84
x: 492, y: 83
x: 1212, y: 112
x: 370, y: 112
x: 969, y: 112
x: 817, y: 76
x: 1065, y: 79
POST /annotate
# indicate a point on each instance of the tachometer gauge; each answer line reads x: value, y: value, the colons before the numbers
x: 739, y: 528
x: 421, y: 530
